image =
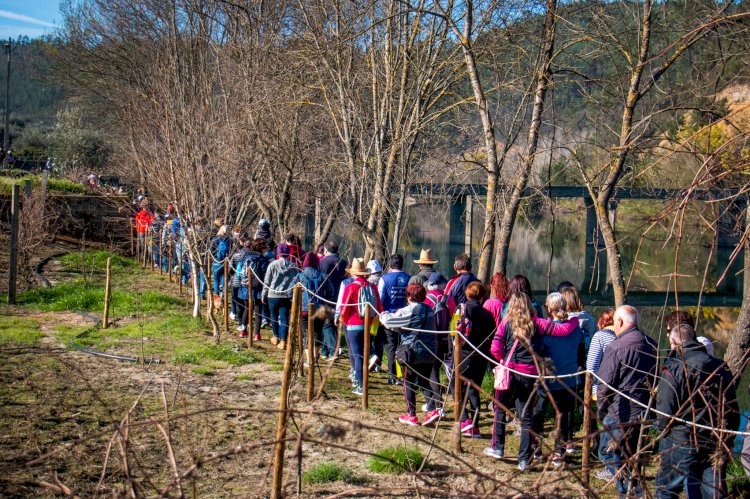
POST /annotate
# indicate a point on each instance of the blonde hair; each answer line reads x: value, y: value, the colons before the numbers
x: 556, y: 305
x: 521, y: 316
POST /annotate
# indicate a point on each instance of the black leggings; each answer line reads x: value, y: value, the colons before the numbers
x: 257, y: 316
x: 240, y: 307
x: 417, y: 376
x: 475, y: 372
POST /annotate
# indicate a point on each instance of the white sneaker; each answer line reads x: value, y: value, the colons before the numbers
x: 424, y: 408
x: 241, y: 329
x: 373, y: 360
x: 231, y: 315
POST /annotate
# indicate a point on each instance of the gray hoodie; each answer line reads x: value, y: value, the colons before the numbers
x: 281, y: 276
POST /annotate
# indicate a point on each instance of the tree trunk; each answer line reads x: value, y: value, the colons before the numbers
x: 544, y: 76
x: 739, y: 343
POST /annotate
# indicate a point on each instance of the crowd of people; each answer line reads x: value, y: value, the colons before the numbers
x: 538, y: 352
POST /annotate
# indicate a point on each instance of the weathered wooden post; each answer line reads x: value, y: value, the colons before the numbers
x: 310, y: 351
x: 13, y: 262
x: 366, y: 361
x: 160, y: 249
x: 586, y: 450
x: 300, y: 345
x: 279, y: 446
x: 170, y: 250
x: 107, y: 294
x: 226, y: 300
x: 457, y: 390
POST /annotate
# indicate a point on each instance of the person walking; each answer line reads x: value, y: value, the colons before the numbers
x: 360, y: 298
x: 378, y: 331
x: 568, y: 357
x: 499, y: 296
x: 257, y: 265
x: 628, y: 366
x: 456, y: 287
x: 696, y: 387
x: 443, y: 308
x: 517, y: 342
x: 416, y: 352
x: 280, y: 278
x: 392, y: 293
x: 220, y: 249
x: 317, y: 289
x: 238, y: 276
x: 333, y: 265
x: 599, y: 343
x: 575, y: 309
x: 426, y: 264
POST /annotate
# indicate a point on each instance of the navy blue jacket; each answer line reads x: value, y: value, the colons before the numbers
x: 392, y: 287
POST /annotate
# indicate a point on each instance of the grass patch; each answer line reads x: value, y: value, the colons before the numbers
x: 738, y: 484
x: 222, y: 353
x: 203, y: 370
x: 89, y: 297
x: 244, y: 377
x: 19, y: 330
x: 96, y: 261
x: 53, y: 184
x: 396, y: 460
x: 327, y: 472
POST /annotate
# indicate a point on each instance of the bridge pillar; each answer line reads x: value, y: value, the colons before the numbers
x: 460, y: 225
x: 728, y: 226
x: 595, y: 259
x: 310, y: 230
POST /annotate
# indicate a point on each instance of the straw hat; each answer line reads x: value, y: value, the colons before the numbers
x: 425, y: 256
x: 358, y: 267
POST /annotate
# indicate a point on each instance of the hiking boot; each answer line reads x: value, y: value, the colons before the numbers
x: 496, y: 453
x: 256, y: 337
x: 410, y: 420
x: 281, y: 345
x: 431, y: 417
x: 274, y: 340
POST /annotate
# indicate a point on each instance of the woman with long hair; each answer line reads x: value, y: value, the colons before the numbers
x: 519, y: 283
x: 499, y: 296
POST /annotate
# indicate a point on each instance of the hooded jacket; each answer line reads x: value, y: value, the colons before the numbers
x: 414, y: 316
x: 281, y: 276
x: 692, y: 371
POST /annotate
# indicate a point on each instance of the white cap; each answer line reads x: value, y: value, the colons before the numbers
x: 374, y: 267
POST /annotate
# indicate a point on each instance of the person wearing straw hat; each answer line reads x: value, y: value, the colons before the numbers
x: 426, y: 264
x: 360, y: 296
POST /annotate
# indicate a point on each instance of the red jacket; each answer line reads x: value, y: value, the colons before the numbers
x: 349, y: 314
x: 143, y: 221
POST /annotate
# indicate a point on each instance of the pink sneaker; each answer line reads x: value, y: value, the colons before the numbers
x: 466, y: 427
x: 410, y: 420
x: 431, y: 417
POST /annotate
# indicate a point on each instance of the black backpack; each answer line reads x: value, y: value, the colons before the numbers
x: 440, y: 311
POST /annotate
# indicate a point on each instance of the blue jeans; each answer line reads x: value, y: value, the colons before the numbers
x: 685, y: 466
x: 280, y: 308
x: 330, y: 333
x: 356, y: 340
x: 617, y: 442
x: 217, y: 271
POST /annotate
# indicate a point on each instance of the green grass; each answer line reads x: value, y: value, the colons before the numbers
x: 203, y: 370
x: 327, y: 472
x: 53, y: 184
x: 738, y: 484
x: 96, y: 261
x: 19, y: 330
x: 221, y: 353
x: 396, y: 460
x: 89, y: 297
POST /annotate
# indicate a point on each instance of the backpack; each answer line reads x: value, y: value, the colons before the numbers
x: 366, y: 301
x: 242, y: 291
x: 255, y: 270
x: 440, y: 311
x: 222, y: 249
x: 463, y: 323
x: 314, y: 284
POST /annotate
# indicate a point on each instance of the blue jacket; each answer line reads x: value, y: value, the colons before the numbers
x: 392, y: 287
x: 564, y: 353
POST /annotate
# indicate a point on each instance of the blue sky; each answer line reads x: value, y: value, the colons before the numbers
x: 30, y: 18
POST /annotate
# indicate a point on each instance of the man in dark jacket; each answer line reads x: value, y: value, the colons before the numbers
x: 426, y: 264
x: 696, y: 387
x: 392, y: 289
x: 456, y: 288
x: 333, y: 266
x: 628, y: 365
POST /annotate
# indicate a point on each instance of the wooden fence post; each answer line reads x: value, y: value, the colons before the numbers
x: 160, y: 249
x: 310, y: 351
x: 107, y: 294
x: 280, y: 444
x: 457, y: 390
x: 586, y: 450
x: 170, y: 249
x: 366, y: 361
x: 300, y: 343
x: 226, y: 299
x: 13, y: 262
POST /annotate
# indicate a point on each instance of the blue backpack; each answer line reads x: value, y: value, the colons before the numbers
x: 314, y: 284
x: 222, y: 249
x: 242, y: 291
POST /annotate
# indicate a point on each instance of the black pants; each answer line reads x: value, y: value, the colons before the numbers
x: 317, y: 330
x: 417, y: 376
x: 477, y: 365
x: 392, y: 340
x: 521, y: 395
x: 437, y: 388
x: 240, y: 307
x: 257, y: 315
x: 378, y: 343
x: 565, y: 402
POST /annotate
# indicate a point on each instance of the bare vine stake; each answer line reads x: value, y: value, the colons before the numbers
x: 160, y: 249
x: 107, y: 294
x: 586, y: 451
x: 279, y: 445
x: 182, y: 262
x: 300, y: 344
x: 310, y: 352
x: 366, y: 361
x: 13, y: 247
x: 169, y: 259
x: 226, y: 300
x: 457, y: 391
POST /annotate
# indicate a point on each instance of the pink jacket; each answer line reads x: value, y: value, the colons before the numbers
x: 495, y: 306
x: 498, y: 342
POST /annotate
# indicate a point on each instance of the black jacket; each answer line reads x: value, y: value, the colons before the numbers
x: 628, y: 365
x: 713, y: 401
x: 482, y: 329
